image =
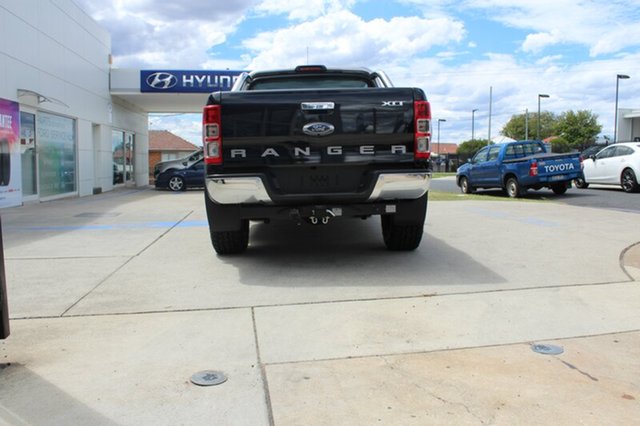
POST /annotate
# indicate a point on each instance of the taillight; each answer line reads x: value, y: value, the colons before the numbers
x: 422, y: 131
x: 212, y: 134
x: 581, y: 162
x: 533, y: 170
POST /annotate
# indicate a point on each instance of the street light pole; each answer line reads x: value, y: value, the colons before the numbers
x: 615, y: 120
x: 526, y: 124
x: 473, y: 124
x: 538, y: 131
x: 439, y: 121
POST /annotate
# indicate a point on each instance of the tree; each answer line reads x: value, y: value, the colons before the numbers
x: 468, y: 148
x: 515, y: 128
x: 579, y: 129
x: 560, y: 144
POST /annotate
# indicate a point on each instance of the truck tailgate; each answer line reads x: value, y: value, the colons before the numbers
x: 558, y: 167
x: 317, y: 127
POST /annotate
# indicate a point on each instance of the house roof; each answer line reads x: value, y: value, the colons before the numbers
x: 443, y: 148
x: 164, y: 140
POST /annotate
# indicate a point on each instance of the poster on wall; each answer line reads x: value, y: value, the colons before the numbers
x: 57, y: 154
x: 10, y: 173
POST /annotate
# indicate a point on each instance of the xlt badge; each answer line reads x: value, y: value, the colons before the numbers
x: 318, y: 129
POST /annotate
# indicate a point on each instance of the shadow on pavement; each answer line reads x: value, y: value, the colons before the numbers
x: 350, y: 253
x: 27, y: 399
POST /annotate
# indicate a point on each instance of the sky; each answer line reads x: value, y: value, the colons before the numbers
x: 482, y: 55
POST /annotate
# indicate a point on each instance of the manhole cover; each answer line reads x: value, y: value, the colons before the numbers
x: 547, y: 349
x: 208, y: 378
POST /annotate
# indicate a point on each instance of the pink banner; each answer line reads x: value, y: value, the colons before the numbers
x: 10, y: 177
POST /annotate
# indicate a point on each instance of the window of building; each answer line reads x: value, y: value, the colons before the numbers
x: 56, y: 137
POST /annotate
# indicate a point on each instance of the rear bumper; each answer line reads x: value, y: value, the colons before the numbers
x: 252, y: 190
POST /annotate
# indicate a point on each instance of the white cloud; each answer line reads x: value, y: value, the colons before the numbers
x: 603, y: 26
x: 343, y: 38
x: 537, y: 42
x: 166, y: 34
x: 303, y: 10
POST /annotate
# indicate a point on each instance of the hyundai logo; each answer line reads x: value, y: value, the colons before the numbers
x: 162, y: 80
x: 318, y: 129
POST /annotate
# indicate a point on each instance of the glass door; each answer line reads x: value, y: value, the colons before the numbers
x: 123, y: 157
x: 129, y: 158
x: 28, y: 155
x: 117, y: 144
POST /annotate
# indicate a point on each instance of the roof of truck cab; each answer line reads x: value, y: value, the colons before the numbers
x: 362, y: 71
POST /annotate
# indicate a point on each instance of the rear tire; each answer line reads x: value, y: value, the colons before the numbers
x: 559, y: 188
x: 513, y: 189
x: 231, y: 242
x: 404, y: 237
x: 629, y: 181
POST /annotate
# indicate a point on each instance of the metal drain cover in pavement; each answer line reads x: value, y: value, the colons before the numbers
x: 547, y: 349
x: 208, y: 378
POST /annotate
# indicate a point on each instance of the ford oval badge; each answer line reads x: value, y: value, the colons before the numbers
x: 318, y: 129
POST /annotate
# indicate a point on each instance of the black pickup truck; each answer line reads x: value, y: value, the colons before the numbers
x: 316, y: 144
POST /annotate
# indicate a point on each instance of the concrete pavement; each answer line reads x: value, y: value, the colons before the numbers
x: 117, y: 299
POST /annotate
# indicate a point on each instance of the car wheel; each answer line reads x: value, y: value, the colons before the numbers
x: 580, y: 183
x: 513, y: 188
x: 404, y: 237
x: 628, y: 181
x: 465, y: 186
x: 559, y: 188
x: 176, y: 183
x: 231, y: 242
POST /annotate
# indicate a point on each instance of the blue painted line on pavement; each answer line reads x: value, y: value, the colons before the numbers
x: 112, y: 227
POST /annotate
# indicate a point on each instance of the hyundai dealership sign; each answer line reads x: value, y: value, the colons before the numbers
x: 173, y: 81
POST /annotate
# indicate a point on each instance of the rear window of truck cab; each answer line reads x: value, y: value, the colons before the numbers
x: 309, y: 82
x: 520, y: 150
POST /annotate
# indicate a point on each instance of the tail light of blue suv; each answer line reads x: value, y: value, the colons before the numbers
x: 422, y: 131
x: 212, y: 134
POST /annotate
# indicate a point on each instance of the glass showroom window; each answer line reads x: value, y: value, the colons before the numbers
x: 56, y: 137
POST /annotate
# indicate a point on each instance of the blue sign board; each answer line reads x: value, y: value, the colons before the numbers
x: 180, y: 81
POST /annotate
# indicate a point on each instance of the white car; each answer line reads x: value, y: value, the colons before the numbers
x: 617, y: 164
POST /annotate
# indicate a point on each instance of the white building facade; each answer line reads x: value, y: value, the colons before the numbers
x: 628, y: 125
x: 70, y: 124
x: 71, y: 133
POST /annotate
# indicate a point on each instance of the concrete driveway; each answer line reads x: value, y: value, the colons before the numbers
x: 117, y: 299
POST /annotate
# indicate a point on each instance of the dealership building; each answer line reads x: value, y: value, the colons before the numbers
x: 69, y: 122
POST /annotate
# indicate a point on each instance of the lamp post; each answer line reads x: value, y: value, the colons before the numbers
x: 526, y: 124
x: 439, y: 121
x: 538, y: 131
x: 615, y: 120
x: 473, y: 124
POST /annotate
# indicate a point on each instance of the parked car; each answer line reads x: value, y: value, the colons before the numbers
x: 617, y: 164
x: 180, y: 178
x: 179, y: 163
x: 592, y: 150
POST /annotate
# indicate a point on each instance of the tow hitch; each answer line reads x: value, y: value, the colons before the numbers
x: 315, y: 215
x: 322, y: 216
